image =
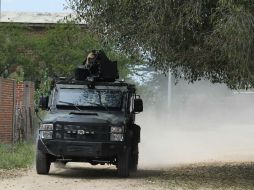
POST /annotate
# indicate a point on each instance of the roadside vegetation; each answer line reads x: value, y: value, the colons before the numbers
x: 27, y: 55
x: 16, y: 156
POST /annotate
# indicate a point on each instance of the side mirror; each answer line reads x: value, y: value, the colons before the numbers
x: 44, y: 100
x: 36, y: 110
x: 138, y: 105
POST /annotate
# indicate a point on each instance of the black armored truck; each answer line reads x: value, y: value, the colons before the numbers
x: 90, y: 118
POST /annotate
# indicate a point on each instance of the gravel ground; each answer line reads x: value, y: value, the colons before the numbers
x: 7, y: 174
x: 80, y: 176
x: 233, y: 176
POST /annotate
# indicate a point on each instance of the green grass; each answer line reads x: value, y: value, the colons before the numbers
x: 233, y: 176
x: 16, y: 156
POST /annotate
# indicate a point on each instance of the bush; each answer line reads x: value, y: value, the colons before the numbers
x: 16, y: 156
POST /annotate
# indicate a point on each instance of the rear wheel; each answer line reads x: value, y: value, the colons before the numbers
x: 123, y: 164
x: 42, y: 163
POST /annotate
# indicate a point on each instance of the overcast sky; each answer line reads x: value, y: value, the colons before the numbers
x: 34, y: 5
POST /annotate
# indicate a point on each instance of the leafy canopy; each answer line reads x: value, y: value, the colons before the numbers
x: 55, y: 51
x: 212, y: 39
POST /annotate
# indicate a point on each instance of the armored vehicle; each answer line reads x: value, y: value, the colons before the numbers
x: 90, y: 119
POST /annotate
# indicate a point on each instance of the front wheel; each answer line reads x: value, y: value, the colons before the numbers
x: 123, y: 163
x: 42, y: 163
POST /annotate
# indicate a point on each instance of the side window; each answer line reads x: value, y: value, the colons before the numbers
x: 50, y: 98
x: 132, y: 115
x: 131, y: 102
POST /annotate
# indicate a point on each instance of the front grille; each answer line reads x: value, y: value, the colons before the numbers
x: 81, y: 132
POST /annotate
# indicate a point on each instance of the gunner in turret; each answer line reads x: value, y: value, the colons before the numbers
x: 97, y: 66
x: 90, y: 59
x: 91, y: 62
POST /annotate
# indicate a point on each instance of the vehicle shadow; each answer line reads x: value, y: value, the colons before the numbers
x: 100, y: 173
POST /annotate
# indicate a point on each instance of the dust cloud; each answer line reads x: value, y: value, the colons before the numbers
x: 204, y: 123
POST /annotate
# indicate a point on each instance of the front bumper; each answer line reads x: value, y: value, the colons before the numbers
x: 80, y: 149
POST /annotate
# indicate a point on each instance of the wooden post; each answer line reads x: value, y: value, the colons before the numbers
x: 14, y: 112
x: 26, y: 105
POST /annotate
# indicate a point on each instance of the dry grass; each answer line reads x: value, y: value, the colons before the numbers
x: 233, y: 176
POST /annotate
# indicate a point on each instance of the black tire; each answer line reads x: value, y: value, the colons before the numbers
x: 134, y: 159
x: 123, y: 164
x: 42, y: 163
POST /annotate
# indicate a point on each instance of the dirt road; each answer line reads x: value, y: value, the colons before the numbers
x: 79, y: 177
x: 213, y: 176
x: 176, y: 141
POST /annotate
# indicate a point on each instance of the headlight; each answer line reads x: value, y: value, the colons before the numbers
x: 46, y: 134
x: 46, y: 131
x: 117, y: 129
x: 116, y: 137
x: 117, y: 133
x: 46, y: 127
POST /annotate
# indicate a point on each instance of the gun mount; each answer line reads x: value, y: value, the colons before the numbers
x: 99, y: 69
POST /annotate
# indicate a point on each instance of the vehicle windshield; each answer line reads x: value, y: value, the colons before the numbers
x: 93, y: 98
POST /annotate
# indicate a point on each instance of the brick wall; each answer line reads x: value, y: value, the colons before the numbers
x: 25, y: 94
x: 19, y: 94
x: 28, y: 92
x: 6, y: 109
x: 15, y: 96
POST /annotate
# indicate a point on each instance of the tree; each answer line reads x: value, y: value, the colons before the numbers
x: 12, y: 40
x: 67, y: 45
x: 196, y: 39
x: 55, y: 52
